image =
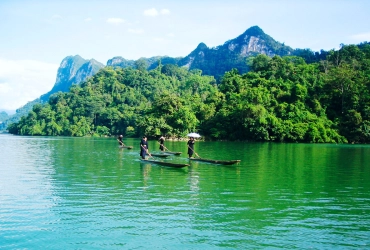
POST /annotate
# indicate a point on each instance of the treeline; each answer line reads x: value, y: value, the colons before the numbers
x: 283, y: 99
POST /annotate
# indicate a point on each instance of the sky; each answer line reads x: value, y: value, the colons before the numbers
x: 36, y: 35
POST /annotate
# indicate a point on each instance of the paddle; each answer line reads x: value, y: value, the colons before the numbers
x: 194, y: 151
x: 121, y: 143
x: 164, y: 146
x: 146, y: 150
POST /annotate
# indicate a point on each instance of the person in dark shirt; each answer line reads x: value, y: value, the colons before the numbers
x: 161, y: 143
x: 144, y: 147
x: 191, y: 143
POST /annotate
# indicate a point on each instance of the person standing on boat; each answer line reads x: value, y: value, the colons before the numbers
x: 161, y: 143
x: 191, y: 147
x: 144, y: 147
x: 119, y: 139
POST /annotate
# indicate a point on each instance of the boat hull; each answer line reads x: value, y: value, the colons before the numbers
x: 167, y: 164
x: 173, y: 153
x: 128, y: 147
x: 162, y: 155
x: 223, y: 162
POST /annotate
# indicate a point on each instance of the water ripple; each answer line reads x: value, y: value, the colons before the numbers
x: 84, y: 193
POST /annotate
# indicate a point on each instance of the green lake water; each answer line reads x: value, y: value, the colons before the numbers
x: 87, y: 193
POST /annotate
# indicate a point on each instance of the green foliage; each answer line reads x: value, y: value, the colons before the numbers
x: 141, y: 64
x: 282, y: 99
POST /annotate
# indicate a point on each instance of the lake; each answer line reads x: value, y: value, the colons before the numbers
x: 87, y: 193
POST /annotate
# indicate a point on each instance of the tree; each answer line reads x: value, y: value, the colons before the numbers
x: 141, y: 64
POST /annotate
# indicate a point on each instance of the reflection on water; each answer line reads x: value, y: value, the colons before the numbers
x: 194, y: 180
x: 145, y: 169
x: 86, y: 193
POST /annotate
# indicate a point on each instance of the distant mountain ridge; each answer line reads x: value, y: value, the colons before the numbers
x: 3, y: 116
x: 233, y: 53
x: 151, y: 62
x: 211, y: 61
x: 216, y: 61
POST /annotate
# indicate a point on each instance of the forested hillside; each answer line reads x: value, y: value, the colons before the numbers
x: 280, y: 99
x: 3, y: 116
x: 233, y: 54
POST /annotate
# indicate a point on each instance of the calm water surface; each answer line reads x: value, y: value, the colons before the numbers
x: 86, y: 193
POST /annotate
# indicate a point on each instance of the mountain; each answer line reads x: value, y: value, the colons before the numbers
x: 72, y: 70
x: 233, y: 53
x: 216, y: 61
x: 119, y: 61
x: 3, y: 116
x: 151, y: 63
x: 24, y: 110
x: 212, y: 61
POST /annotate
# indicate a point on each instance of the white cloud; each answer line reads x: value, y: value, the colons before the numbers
x: 114, y: 20
x: 171, y: 35
x: 23, y: 81
x: 151, y: 12
x: 165, y: 11
x: 136, y: 31
x: 361, y: 37
x: 154, y: 12
x: 88, y: 19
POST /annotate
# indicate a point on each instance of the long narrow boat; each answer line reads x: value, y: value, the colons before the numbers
x: 162, y: 155
x: 129, y: 147
x: 167, y: 164
x: 173, y: 153
x: 223, y: 162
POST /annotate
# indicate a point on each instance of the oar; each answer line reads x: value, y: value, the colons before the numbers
x: 194, y: 151
x: 147, y: 151
x: 164, y: 146
x: 122, y: 144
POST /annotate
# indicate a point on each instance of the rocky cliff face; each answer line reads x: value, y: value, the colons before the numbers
x: 216, y: 61
x: 119, y: 61
x: 251, y: 45
x: 72, y: 70
x: 253, y: 41
x: 87, y: 69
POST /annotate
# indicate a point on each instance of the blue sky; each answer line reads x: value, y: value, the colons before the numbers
x: 37, y: 35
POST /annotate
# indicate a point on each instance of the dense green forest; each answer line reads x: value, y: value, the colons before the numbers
x: 282, y: 99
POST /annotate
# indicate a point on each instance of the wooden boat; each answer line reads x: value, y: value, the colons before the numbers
x: 223, y: 162
x: 162, y: 155
x: 167, y: 164
x: 128, y: 147
x: 173, y: 153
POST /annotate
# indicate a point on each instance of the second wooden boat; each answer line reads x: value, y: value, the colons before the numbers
x: 162, y: 155
x: 129, y: 147
x: 223, y: 162
x: 167, y: 164
x: 173, y: 153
